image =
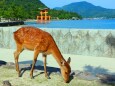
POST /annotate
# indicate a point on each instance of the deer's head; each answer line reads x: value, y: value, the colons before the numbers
x: 66, y: 70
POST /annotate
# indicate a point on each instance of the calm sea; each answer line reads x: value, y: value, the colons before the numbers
x: 77, y: 24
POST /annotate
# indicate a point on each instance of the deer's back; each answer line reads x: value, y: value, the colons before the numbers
x: 33, y: 37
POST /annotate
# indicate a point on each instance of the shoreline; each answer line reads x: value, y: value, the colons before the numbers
x: 92, y: 64
x: 51, y: 28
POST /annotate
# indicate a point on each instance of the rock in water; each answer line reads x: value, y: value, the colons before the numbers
x: 6, y: 83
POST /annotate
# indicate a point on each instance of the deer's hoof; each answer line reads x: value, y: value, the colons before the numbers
x: 19, y: 75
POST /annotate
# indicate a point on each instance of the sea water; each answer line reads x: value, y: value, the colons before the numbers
x: 76, y: 24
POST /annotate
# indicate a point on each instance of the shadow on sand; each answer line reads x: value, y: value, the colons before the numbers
x: 2, y: 63
x: 102, y: 73
x: 26, y: 65
x: 38, y: 62
x: 95, y: 70
x: 39, y: 66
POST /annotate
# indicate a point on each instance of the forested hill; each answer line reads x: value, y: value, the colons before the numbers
x: 88, y: 10
x: 20, y: 8
x: 28, y: 9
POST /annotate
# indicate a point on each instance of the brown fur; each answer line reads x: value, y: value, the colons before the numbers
x: 40, y: 42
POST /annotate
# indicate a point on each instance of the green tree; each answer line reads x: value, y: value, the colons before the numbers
x: 61, y: 14
x: 2, y: 5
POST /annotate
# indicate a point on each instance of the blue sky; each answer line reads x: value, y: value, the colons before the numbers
x: 58, y: 3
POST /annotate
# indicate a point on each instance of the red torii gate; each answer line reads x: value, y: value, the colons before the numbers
x: 43, y: 15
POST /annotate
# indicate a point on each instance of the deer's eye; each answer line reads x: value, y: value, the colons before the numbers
x: 66, y: 72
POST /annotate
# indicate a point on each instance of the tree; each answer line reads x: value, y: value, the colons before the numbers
x: 2, y: 4
x: 61, y: 14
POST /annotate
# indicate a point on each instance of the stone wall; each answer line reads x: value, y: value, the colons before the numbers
x: 72, y: 41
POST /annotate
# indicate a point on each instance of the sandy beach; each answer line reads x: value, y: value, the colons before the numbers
x: 92, y: 64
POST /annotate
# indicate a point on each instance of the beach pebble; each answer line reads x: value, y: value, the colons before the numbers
x: 6, y: 83
x: 10, y: 64
x: 85, y: 75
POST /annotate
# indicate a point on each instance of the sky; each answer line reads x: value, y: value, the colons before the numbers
x: 59, y: 3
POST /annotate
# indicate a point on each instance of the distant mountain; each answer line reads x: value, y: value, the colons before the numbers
x: 88, y: 10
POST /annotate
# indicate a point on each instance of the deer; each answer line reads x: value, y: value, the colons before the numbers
x: 40, y: 41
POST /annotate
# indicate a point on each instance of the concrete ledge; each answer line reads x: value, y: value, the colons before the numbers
x: 87, y: 42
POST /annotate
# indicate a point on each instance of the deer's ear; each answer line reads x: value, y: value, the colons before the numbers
x: 69, y: 60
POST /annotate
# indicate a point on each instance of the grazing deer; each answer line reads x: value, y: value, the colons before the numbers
x: 40, y: 42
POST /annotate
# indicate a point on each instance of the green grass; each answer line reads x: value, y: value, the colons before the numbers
x: 40, y: 80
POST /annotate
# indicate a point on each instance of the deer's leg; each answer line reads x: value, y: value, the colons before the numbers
x: 16, y: 56
x: 45, y: 62
x: 36, y: 52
